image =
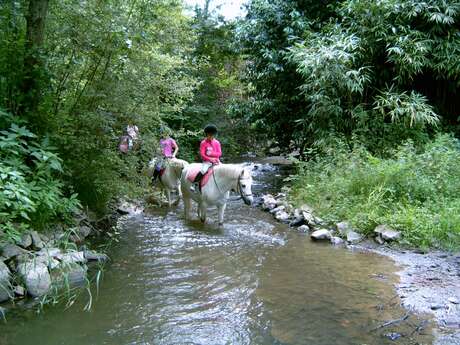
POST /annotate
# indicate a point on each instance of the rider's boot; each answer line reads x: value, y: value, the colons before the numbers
x: 195, y: 187
x: 156, y: 173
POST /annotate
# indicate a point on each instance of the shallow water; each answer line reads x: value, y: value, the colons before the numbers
x: 253, y: 282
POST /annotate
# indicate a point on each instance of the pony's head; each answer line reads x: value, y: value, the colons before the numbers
x: 177, y: 165
x: 151, y: 167
x: 244, y: 187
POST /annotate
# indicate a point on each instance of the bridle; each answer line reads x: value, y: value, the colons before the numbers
x: 240, y: 190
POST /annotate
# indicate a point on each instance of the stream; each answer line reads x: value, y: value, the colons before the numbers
x: 254, y: 281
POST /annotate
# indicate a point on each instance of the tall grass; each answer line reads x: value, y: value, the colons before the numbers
x: 416, y: 191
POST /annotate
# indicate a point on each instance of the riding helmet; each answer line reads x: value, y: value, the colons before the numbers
x: 210, y: 129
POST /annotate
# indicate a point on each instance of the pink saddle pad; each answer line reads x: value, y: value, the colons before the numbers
x: 193, y: 172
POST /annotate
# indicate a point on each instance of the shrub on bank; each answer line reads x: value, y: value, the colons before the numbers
x: 31, y: 194
x: 416, y: 191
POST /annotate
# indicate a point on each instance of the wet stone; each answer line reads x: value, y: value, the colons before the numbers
x: 278, y: 209
x: 379, y: 240
x: 387, y: 233
x: 36, y: 240
x: 93, y: 256
x: 392, y: 336
x: 53, y: 252
x: 72, y: 257
x: 453, y: 300
x: 337, y: 241
x: 72, y: 274
x: 309, y: 218
x: 282, y: 216
x: 85, y: 231
x: 321, y: 235
x: 268, y: 202
x: 11, y: 250
x: 299, y: 220
x: 304, y: 228
x: 436, y: 306
x: 36, y: 278
x: 25, y: 241
x: 4, y: 282
x: 49, y: 261
x: 44, y: 238
x: 19, y: 290
x: 353, y: 237
x: 343, y: 228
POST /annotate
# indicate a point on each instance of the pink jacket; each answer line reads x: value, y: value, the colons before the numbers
x: 210, y: 151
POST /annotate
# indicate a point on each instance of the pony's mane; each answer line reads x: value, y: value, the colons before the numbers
x: 177, y: 163
x: 230, y: 170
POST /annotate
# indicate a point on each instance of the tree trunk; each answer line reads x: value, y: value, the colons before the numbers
x: 206, y: 9
x: 33, y: 64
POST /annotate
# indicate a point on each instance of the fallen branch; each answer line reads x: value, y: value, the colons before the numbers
x: 391, y: 322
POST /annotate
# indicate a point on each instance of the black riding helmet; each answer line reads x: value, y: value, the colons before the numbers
x: 210, y: 129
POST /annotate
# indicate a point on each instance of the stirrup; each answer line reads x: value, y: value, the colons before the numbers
x: 195, y: 187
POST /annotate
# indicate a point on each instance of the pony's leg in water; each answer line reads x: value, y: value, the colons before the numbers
x: 202, y: 212
x: 187, y: 207
x: 179, y: 196
x: 221, y: 211
x: 168, y: 196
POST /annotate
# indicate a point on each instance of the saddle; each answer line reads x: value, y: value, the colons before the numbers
x: 204, y: 180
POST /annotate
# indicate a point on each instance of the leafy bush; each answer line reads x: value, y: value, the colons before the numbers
x: 30, y: 192
x: 414, y: 191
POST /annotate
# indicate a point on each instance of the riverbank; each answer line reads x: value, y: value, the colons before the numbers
x: 41, y: 267
x: 429, y: 281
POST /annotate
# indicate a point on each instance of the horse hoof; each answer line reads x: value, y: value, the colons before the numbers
x: 221, y: 224
x: 203, y: 220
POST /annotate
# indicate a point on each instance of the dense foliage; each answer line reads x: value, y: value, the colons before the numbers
x: 383, y: 71
x: 30, y: 189
x: 413, y: 191
x: 219, y: 68
x: 98, y: 67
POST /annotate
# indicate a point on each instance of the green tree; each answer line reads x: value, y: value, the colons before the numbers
x: 378, y: 71
x: 104, y: 64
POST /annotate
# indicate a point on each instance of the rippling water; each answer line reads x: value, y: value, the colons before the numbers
x: 252, y: 282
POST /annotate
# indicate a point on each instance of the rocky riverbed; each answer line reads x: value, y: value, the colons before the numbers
x: 429, y: 281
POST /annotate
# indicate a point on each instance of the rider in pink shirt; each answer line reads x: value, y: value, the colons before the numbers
x: 167, y: 145
x: 210, y: 151
x: 169, y: 150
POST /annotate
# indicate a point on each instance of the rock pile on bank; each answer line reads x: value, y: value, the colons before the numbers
x: 37, y: 263
x: 304, y: 220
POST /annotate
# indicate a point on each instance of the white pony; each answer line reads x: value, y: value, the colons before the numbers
x: 226, y: 177
x: 170, y: 179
